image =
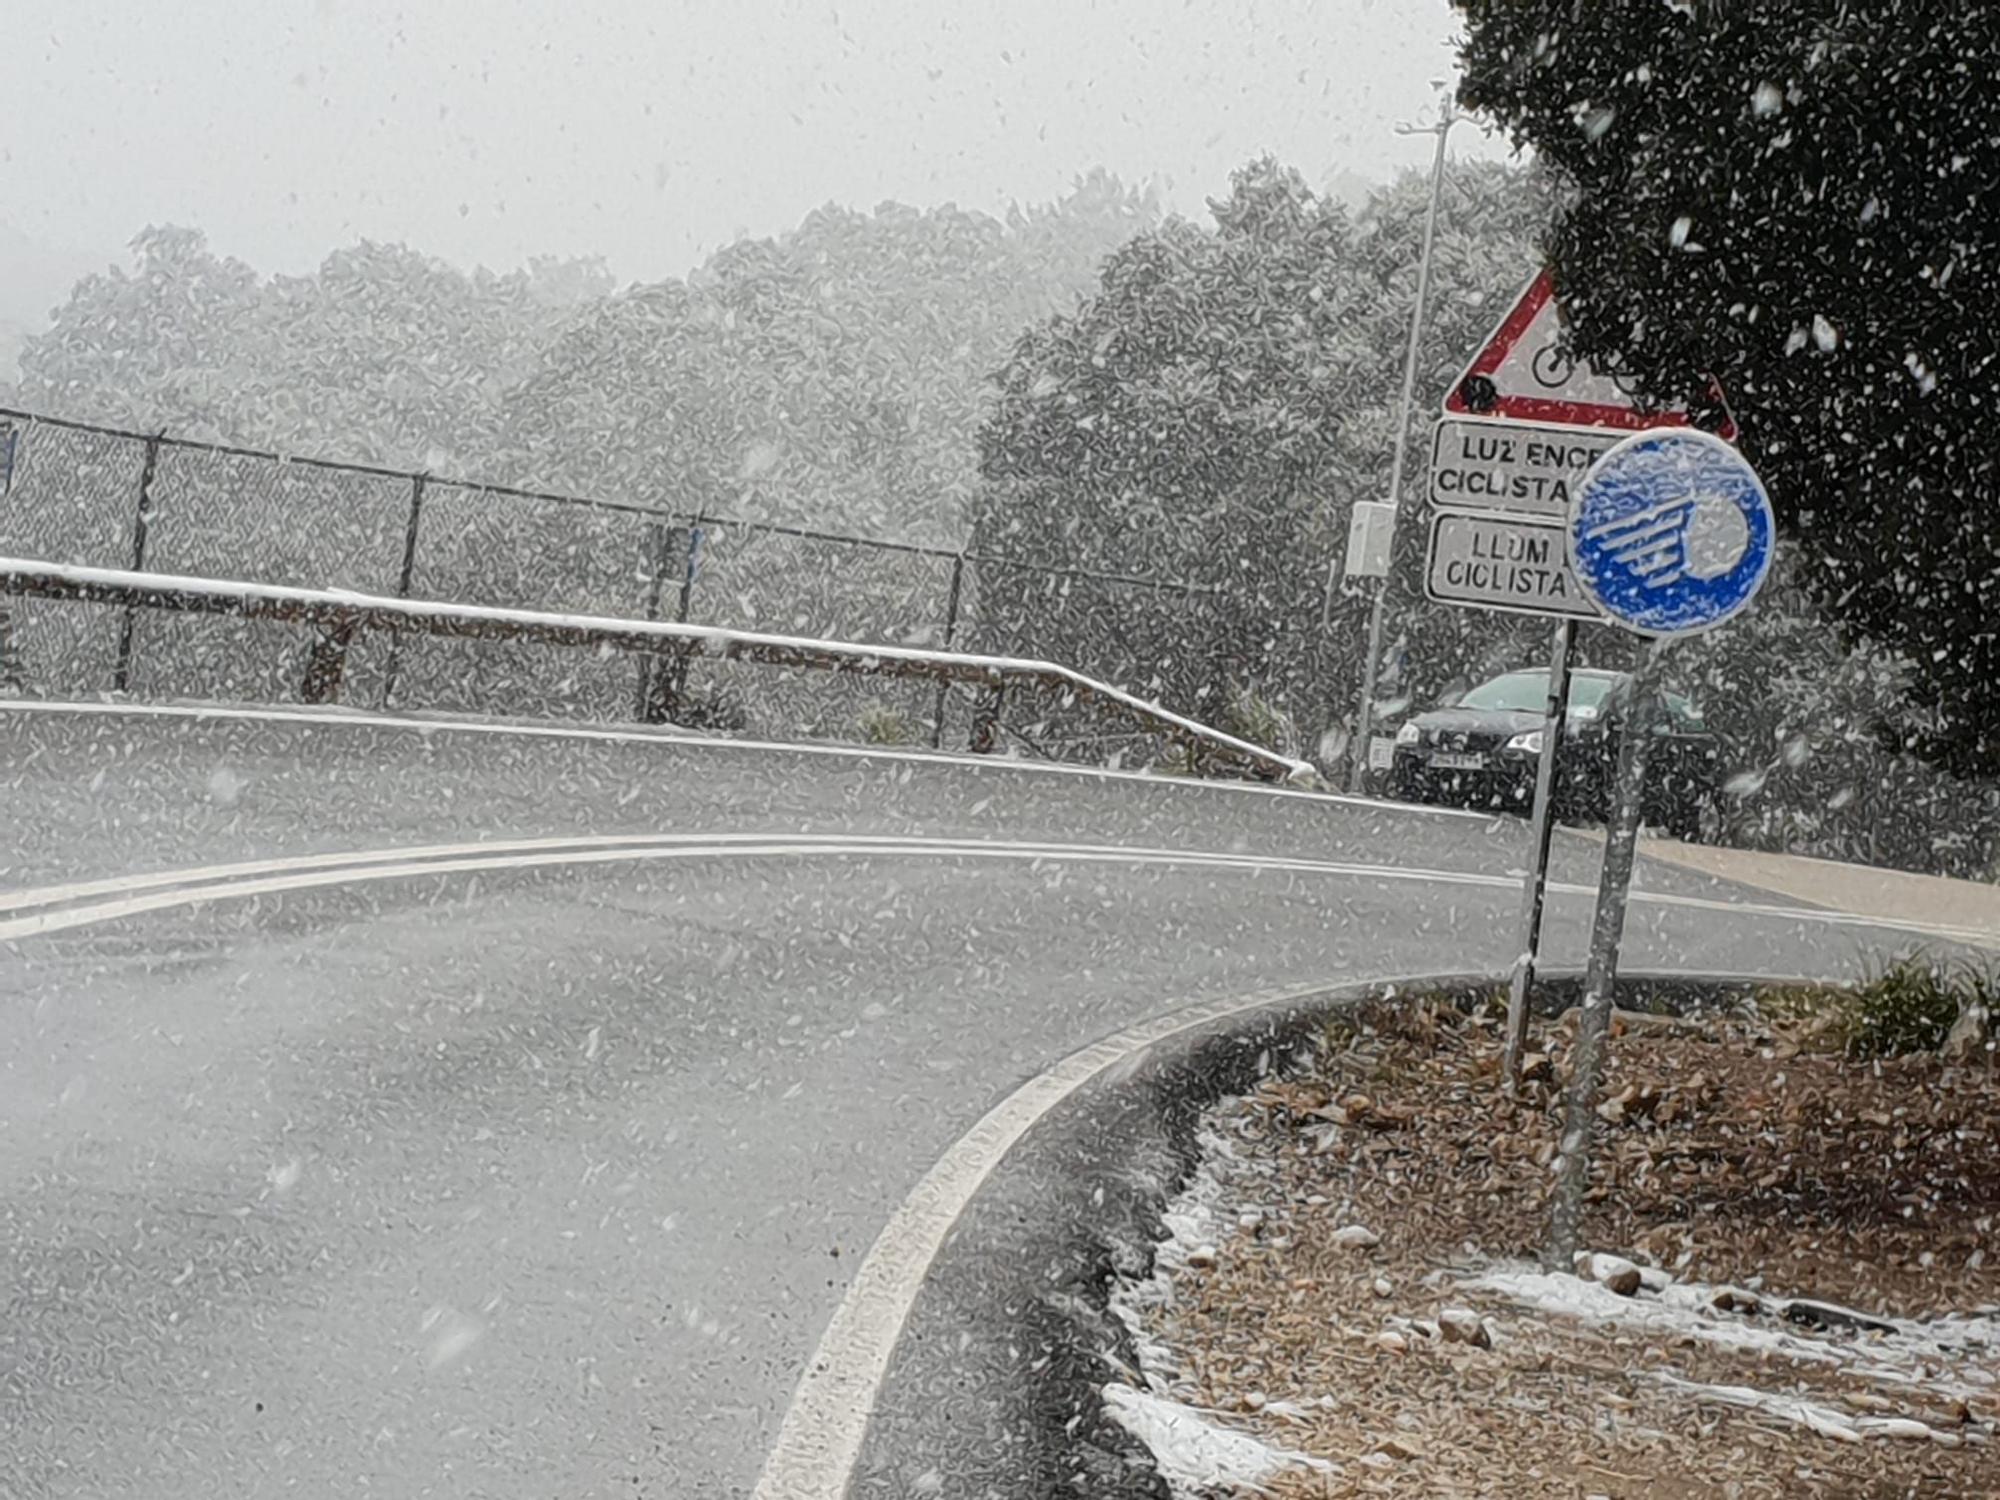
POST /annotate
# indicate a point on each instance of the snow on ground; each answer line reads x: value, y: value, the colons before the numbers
x: 1949, y: 1357
x: 1194, y: 1452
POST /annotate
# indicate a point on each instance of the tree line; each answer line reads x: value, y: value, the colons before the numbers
x: 1094, y: 386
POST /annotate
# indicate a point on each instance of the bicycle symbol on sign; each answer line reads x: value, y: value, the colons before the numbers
x: 1553, y: 366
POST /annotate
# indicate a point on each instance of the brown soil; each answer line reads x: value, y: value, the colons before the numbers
x: 1736, y: 1155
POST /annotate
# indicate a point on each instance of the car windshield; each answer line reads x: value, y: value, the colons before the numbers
x: 724, y: 766
x: 1516, y: 692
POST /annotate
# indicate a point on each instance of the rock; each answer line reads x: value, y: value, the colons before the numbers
x: 1827, y: 1315
x: 1729, y: 1299
x: 1537, y: 1067
x: 1401, y: 1447
x: 1377, y: 1461
x: 1610, y: 1271
x: 1970, y: 1039
x: 1461, y: 1325
x: 1393, y: 1343
x: 1255, y: 1401
x: 1382, y: 1287
x: 1201, y: 1258
x: 1355, y: 1237
x: 1249, y: 1220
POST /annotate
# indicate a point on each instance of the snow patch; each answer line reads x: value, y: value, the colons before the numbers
x: 1951, y: 1357
x: 1193, y: 1452
x: 1824, y: 1420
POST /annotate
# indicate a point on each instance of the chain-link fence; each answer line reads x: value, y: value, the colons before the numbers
x: 98, y: 497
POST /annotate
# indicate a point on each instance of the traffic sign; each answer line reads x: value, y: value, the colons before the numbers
x: 1671, y: 532
x: 1522, y: 374
x: 1481, y: 464
x: 1516, y: 564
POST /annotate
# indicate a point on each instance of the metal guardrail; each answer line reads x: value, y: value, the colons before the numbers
x: 88, y: 495
x: 341, y: 617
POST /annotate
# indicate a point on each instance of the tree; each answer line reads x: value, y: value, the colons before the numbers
x: 842, y: 365
x: 1799, y: 198
x: 380, y: 355
x: 1211, y: 415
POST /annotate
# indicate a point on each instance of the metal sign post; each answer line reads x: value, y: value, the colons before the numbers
x: 1365, y: 709
x: 1670, y: 534
x: 1535, y: 889
x: 1607, y: 931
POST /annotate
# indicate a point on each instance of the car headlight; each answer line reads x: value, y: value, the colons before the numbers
x: 1409, y: 734
x: 1529, y: 741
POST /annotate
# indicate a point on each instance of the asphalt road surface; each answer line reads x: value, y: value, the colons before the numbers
x: 509, y: 1179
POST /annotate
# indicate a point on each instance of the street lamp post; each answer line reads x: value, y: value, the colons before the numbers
x: 1364, y: 714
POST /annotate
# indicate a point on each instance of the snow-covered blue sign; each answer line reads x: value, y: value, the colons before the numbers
x: 1670, y: 533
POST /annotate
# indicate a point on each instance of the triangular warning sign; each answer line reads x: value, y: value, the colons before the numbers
x: 1523, y: 376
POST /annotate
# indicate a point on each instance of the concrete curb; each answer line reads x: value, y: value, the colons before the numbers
x: 994, y: 1389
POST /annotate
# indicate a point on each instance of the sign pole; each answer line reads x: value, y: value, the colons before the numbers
x: 1376, y: 610
x: 1635, y: 733
x: 1535, y: 890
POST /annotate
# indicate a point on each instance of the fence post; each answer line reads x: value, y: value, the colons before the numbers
x: 142, y: 520
x: 950, y: 631
x: 326, y: 664
x: 657, y: 538
x: 410, y: 535
x: 986, y: 721
x: 668, y: 680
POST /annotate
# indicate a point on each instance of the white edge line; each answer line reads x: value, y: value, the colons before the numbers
x: 820, y: 1436
x: 356, y: 718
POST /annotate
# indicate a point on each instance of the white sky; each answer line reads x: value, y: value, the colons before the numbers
x: 651, y: 131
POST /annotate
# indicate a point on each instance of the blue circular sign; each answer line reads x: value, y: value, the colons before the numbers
x: 1670, y: 533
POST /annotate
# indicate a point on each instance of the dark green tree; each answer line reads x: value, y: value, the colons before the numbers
x: 1798, y: 195
x: 1211, y: 415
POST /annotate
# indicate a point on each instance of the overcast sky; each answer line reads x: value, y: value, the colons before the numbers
x: 651, y: 131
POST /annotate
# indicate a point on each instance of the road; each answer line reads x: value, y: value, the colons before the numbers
x: 544, y: 1179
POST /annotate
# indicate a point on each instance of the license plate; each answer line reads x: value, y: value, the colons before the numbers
x: 1452, y: 761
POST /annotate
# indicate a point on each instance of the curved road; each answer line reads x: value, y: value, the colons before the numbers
x: 540, y: 1172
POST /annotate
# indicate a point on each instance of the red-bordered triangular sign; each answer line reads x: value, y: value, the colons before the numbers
x: 1522, y: 375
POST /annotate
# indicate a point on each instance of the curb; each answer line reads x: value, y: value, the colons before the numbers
x: 995, y: 1384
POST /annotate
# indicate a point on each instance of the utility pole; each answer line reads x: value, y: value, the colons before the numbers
x: 1365, y: 713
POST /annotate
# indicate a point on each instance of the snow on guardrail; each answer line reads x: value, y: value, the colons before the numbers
x: 341, y: 615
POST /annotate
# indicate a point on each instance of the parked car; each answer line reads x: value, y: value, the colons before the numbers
x: 1481, y: 750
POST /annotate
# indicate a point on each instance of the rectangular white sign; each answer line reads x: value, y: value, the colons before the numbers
x: 1532, y: 467
x: 1494, y: 561
x: 1369, y: 527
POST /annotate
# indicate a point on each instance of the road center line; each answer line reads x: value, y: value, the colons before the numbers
x: 59, y: 908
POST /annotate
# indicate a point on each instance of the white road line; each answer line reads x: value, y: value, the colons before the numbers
x: 43, y: 911
x: 55, y: 909
x: 350, y: 718
x: 820, y: 1436
x: 39, y: 920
